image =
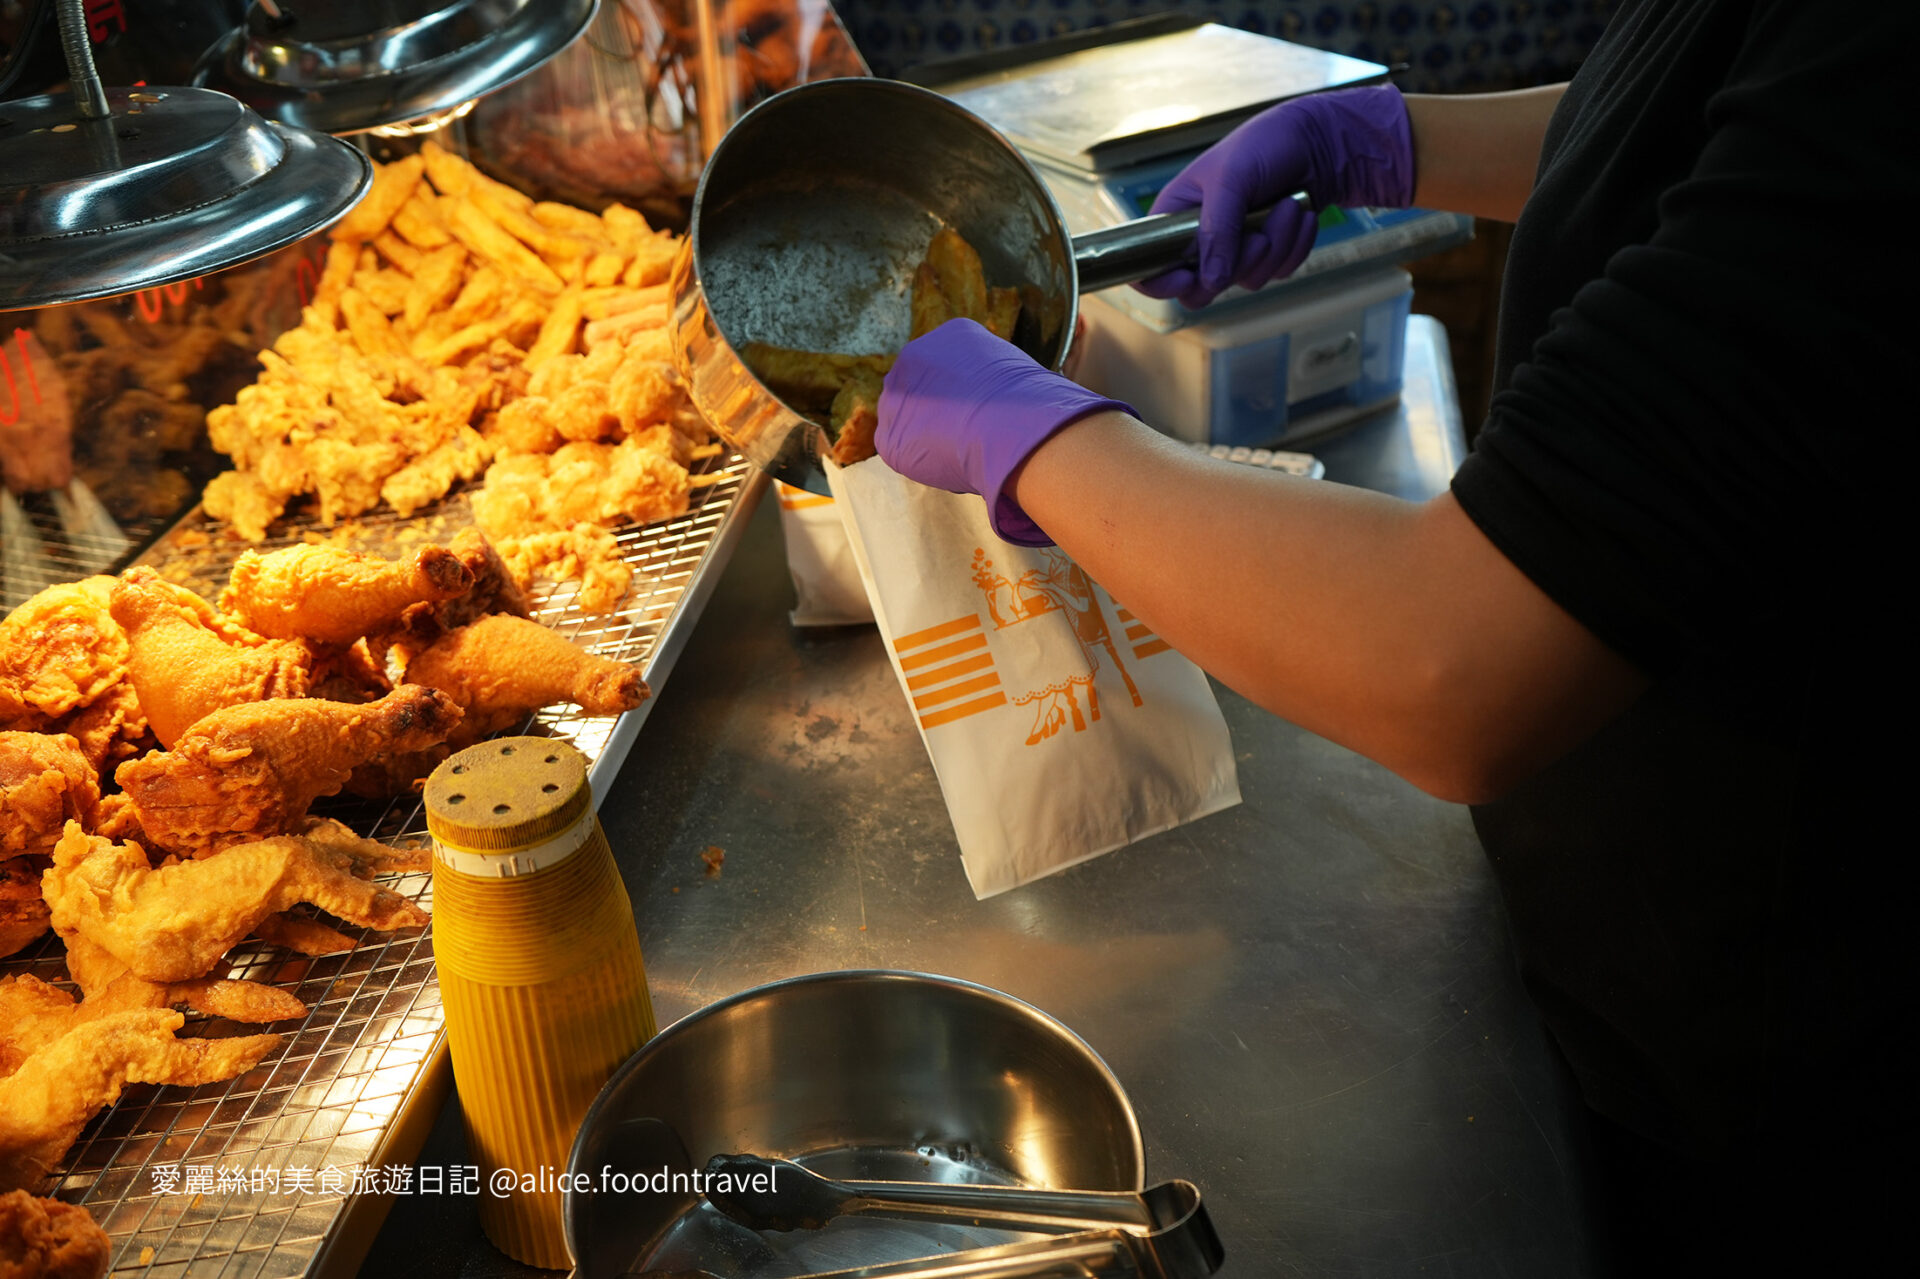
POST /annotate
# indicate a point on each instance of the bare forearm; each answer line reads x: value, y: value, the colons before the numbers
x: 1392, y: 627
x: 1477, y: 153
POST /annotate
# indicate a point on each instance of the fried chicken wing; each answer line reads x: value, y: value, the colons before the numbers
x: 500, y: 668
x: 59, y: 652
x: 253, y: 769
x: 172, y: 924
x: 335, y: 596
x: 109, y: 986
x: 185, y: 662
x: 49, y: 1099
x: 48, y: 1239
x: 45, y: 781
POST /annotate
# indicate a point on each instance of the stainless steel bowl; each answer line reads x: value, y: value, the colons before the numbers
x: 870, y: 1075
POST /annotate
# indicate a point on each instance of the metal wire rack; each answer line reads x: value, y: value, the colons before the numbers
x: 253, y: 1178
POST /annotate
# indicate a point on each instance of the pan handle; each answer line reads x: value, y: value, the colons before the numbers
x: 1145, y: 246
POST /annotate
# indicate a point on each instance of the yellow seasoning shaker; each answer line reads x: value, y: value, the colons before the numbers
x: 540, y: 972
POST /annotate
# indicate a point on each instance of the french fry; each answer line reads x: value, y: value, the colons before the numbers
x: 398, y: 251
x: 564, y: 217
x: 624, y: 225
x: 343, y: 256
x: 549, y: 244
x: 450, y: 175
x: 480, y: 296
x: 489, y: 241
x: 652, y: 262
x: 393, y: 185
x: 604, y: 268
x: 598, y: 304
x: 369, y: 327
x: 620, y: 328
x: 435, y: 284
x: 418, y: 221
x: 558, y: 330
x: 387, y: 289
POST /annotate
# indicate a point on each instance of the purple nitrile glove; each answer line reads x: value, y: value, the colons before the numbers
x: 1352, y: 147
x: 961, y: 410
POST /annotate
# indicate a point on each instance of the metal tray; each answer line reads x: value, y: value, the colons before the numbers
x: 288, y: 1169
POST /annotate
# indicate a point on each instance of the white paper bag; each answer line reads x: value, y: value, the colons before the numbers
x: 1060, y: 727
x: 827, y: 587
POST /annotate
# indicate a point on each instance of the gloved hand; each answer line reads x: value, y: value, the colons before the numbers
x: 961, y: 410
x: 1352, y: 147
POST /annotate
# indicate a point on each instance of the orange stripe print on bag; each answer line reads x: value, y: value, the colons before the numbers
x: 949, y: 671
x: 1145, y: 642
x: 795, y: 499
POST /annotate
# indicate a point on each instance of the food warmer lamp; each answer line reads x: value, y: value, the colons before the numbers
x: 349, y: 66
x: 124, y: 193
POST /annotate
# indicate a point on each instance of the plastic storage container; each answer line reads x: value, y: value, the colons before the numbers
x: 1261, y: 374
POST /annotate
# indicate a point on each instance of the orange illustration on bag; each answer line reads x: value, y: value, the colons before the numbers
x: 950, y: 669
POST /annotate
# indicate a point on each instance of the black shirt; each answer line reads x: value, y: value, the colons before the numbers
x: 1703, y: 403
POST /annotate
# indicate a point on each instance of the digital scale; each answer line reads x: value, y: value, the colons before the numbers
x: 1109, y: 117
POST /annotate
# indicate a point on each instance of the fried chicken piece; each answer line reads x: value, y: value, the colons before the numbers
x: 173, y: 924
x: 585, y: 553
x: 494, y: 588
x: 45, y: 782
x: 59, y: 652
x: 303, y: 936
x: 185, y: 662
x: 350, y: 674
x: 253, y: 769
x: 111, y: 728
x: 108, y: 986
x: 856, y: 415
x: 335, y: 596
x: 808, y: 380
x: 50, y: 1098
x: 48, y: 1239
x: 500, y: 668
x: 23, y: 914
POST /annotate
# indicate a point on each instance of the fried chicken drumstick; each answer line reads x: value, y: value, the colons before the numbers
x: 501, y: 668
x: 252, y: 770
x: 334, y: 596
x: 185, y: 661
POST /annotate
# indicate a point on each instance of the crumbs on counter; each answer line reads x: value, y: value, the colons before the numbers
x: 714, y: 856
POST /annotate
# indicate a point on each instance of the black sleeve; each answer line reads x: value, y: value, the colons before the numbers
x: 1705, y: 431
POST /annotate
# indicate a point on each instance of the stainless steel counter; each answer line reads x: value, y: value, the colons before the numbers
x: 1309, y: 997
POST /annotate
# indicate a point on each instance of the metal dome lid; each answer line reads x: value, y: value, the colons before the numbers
x: 141, y: 187
x: 344, y: 66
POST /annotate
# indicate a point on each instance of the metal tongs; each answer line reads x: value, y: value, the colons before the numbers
x: 1162, y: 1232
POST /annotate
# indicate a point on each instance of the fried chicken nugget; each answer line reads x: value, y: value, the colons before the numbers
x: 174, y: 923
x: 50, y: 1098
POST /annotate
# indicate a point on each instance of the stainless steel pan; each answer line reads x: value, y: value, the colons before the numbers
x: 811, y: 216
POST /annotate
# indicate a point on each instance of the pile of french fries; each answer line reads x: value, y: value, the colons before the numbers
x: 457, y: 325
